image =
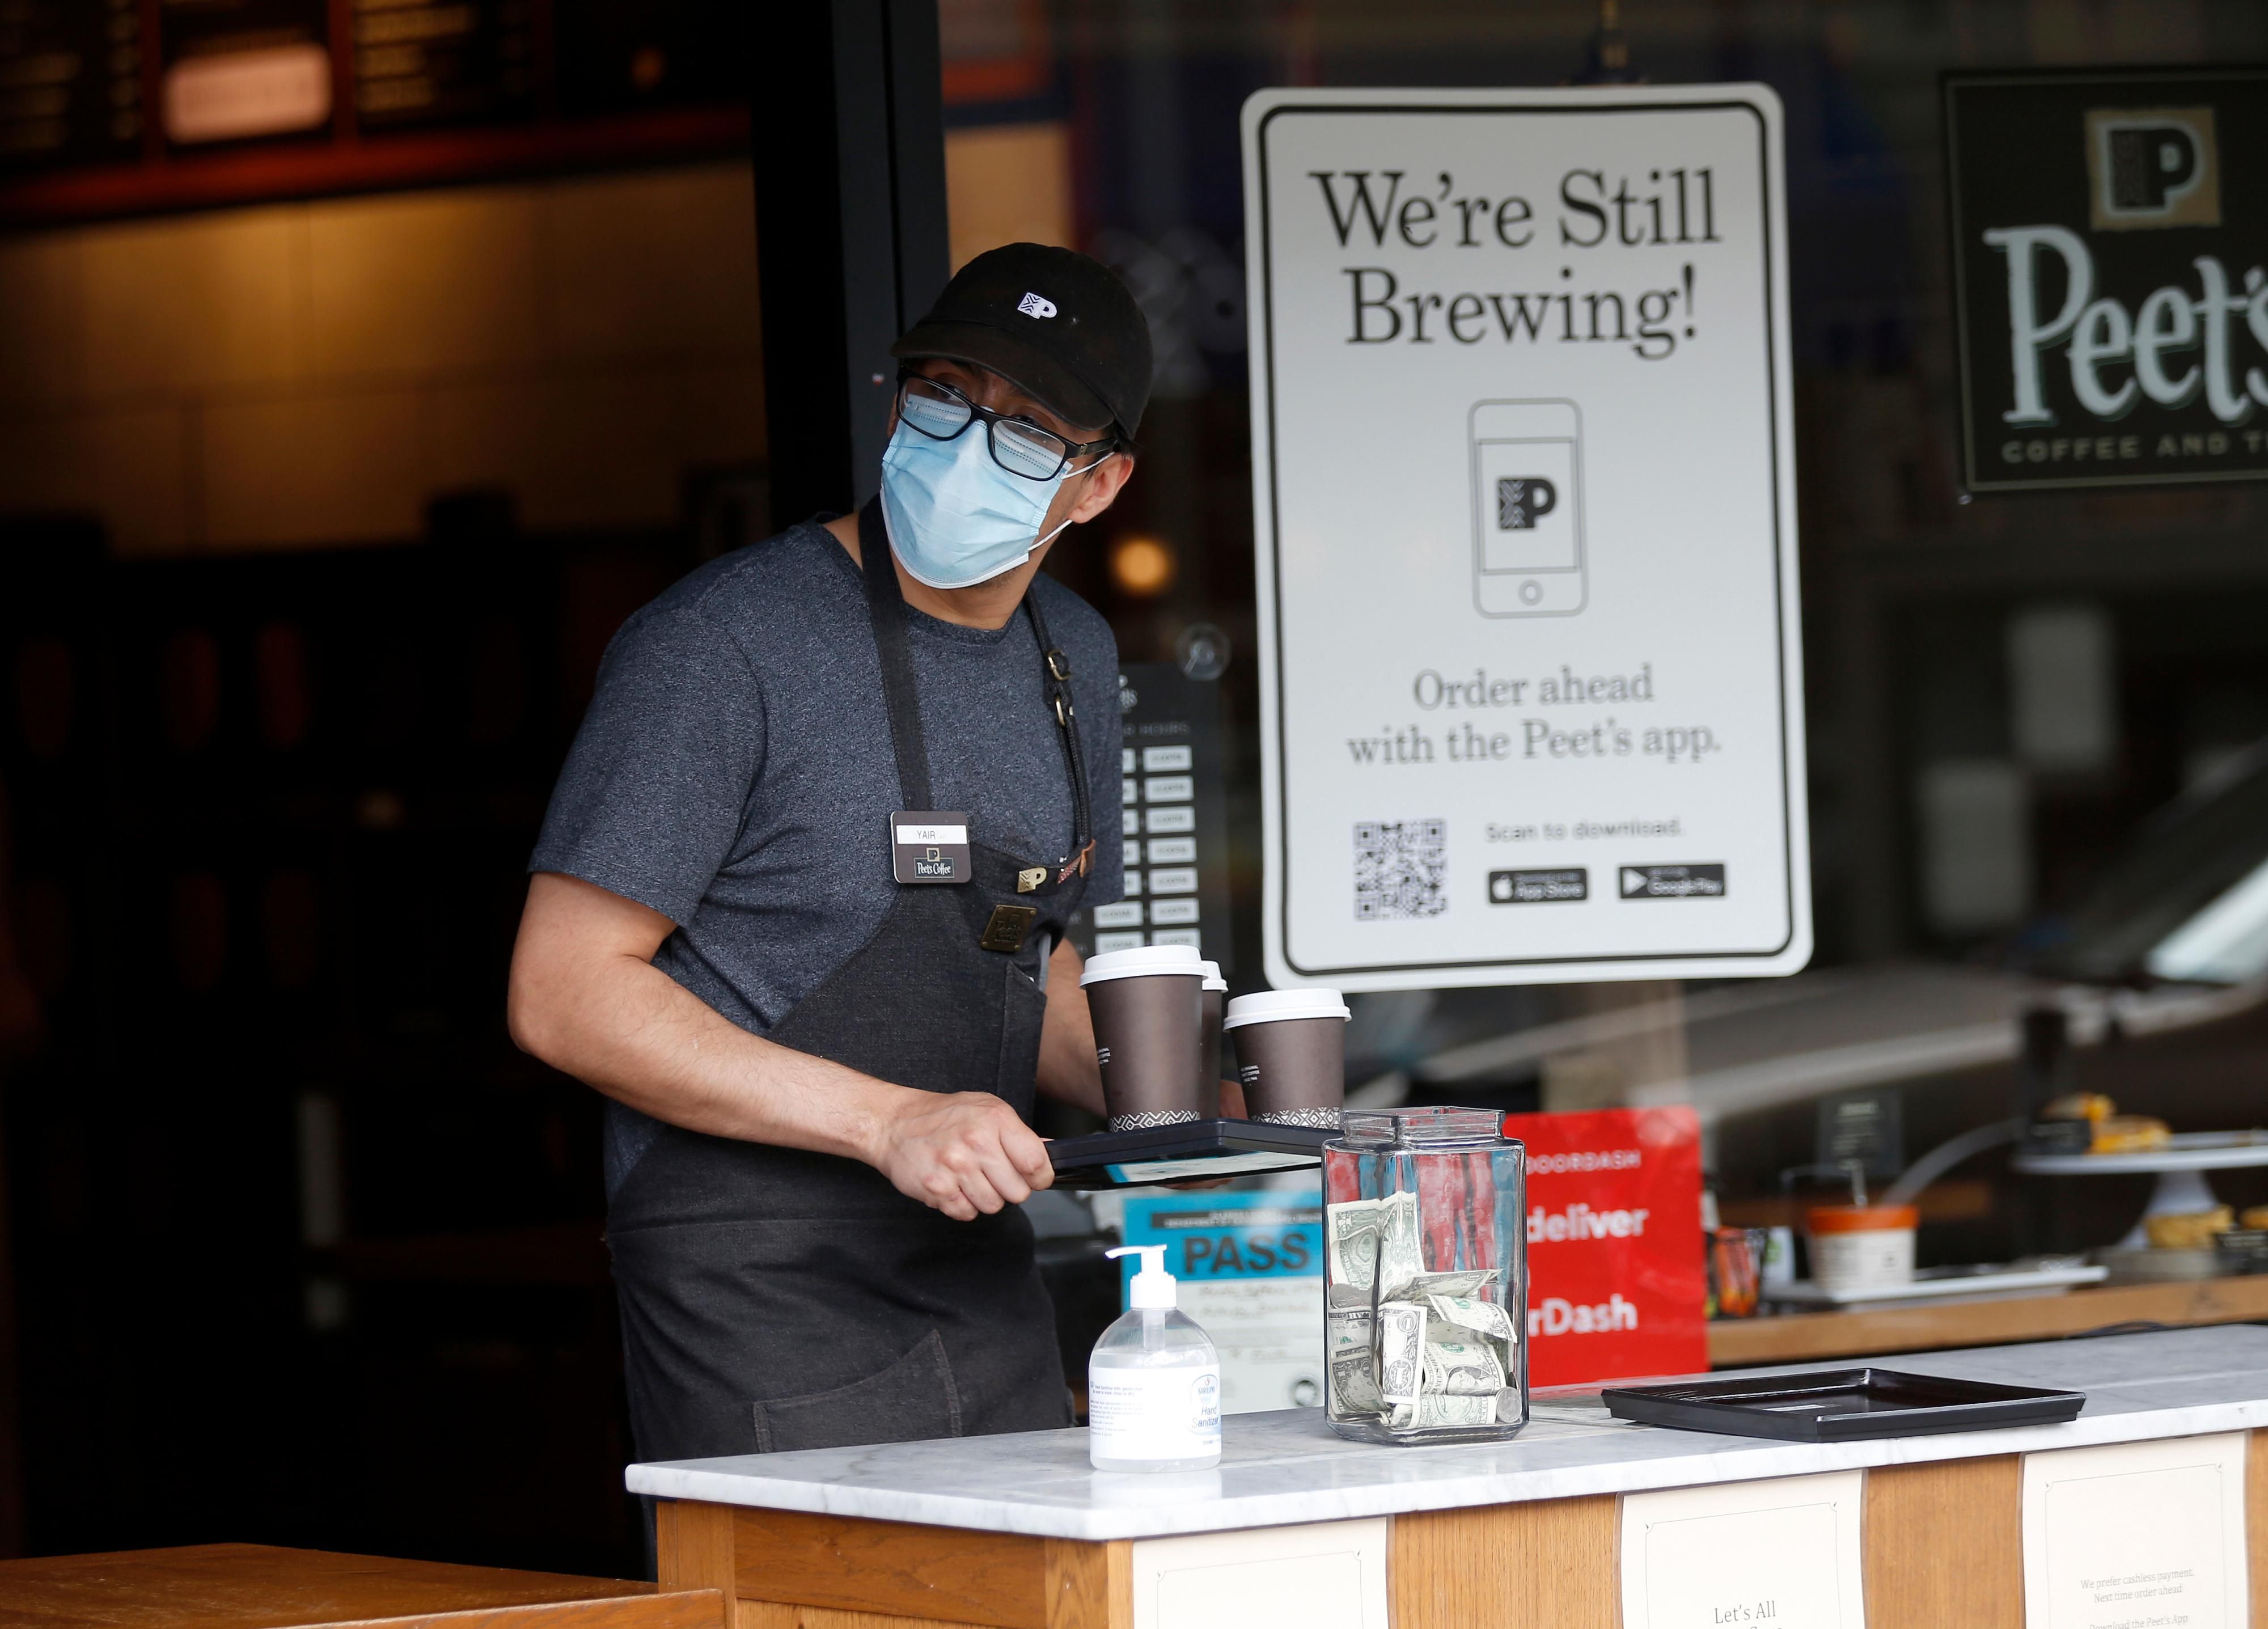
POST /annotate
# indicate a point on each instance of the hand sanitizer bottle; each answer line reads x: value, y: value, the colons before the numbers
x: 1153, y: 1383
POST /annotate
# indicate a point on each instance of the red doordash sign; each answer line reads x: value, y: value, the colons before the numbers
x: 1615, y: 1280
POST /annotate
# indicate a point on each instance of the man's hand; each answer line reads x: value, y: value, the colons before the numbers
x: 962, y: 1153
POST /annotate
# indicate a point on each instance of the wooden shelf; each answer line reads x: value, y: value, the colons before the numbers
x: 256, y: 1587
x: 1738, y: 1343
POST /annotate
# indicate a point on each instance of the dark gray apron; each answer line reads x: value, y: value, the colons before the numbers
x: 777, y: 1299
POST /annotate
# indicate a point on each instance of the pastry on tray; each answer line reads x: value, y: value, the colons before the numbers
x: 2131, y: 1133
x: 2189, y: 1230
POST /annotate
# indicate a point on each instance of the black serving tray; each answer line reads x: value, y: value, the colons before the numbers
x: 1166, y: 1154
x: 1840, y: 1406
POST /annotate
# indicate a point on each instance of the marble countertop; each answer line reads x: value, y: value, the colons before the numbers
x: 1288, y: 1467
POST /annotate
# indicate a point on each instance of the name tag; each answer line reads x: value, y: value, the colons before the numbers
x: 929, y: 847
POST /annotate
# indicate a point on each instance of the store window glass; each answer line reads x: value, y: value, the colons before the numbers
x: 2036, y: 783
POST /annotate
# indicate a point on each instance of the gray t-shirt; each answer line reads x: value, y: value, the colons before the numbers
x: 734, y: 772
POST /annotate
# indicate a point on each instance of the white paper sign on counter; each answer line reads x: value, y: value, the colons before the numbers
x: 1531, y: 684
x: 1780, y: 1554
x: 2136, y: 1536
x: 1320, y: 1575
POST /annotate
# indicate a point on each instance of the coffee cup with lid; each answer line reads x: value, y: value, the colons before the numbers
x: 1146, y: 1004
x: 1291, y: 1054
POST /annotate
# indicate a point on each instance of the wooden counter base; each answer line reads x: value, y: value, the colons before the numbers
x: 1943, y: 1545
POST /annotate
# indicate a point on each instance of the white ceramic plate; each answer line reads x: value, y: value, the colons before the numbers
x: 2186, y: 1151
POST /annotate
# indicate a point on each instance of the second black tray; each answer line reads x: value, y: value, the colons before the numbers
x: 1194, y: 1151
x: 1840, y: 1406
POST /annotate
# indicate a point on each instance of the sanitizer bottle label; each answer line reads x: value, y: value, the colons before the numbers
x: 1153, y: 1413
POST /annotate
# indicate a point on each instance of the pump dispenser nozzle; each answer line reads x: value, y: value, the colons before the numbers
x: 1153, y: 1287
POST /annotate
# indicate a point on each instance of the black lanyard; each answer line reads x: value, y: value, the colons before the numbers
x: 886, y: 607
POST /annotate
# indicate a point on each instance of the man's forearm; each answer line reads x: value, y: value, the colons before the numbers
x: 1068, y: 1072
x: 587, y: 998
x: 638, y: 1036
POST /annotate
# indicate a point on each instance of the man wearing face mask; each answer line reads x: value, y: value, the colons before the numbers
x: 799, y: 900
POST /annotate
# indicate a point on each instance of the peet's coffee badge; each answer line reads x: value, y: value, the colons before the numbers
x: 929, y: 847
x: 2111, y: 275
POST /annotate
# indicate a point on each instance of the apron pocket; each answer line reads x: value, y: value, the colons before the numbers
x: 913, y: 1400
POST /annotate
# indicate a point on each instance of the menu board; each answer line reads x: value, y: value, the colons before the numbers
x: 121, y: 108
x: 70, y: 82
x: 1175, y: 804
x: 457, y: 61
x: 239, y: 68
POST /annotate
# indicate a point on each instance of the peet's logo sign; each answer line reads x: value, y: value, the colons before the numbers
x: 2111, y: 276
x: 2174, y: 346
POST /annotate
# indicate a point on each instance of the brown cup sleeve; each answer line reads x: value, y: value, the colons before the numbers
x: 1145, y: 1042
x: 1293, y: 1063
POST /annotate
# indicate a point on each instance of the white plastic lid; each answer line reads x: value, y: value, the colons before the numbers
x: 1153, y: 1288
x: 1143, y: 962
x: 1269, y: 1006
x: 1212, y: 978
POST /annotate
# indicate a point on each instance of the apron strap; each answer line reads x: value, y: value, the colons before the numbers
x: 1056, y: 666
x: 885, y: 609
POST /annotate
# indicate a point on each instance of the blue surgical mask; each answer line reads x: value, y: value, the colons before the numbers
x: 956, y: 518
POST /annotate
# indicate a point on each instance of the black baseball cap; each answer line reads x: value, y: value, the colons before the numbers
x: 1055, y: 323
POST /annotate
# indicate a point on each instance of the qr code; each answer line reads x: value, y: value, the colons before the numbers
x: 1400, y: 867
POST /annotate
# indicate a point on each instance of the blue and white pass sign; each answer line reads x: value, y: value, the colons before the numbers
x: 1524, y: 514
x: 1250, y: 1268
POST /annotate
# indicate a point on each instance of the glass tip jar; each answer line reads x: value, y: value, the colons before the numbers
x: 1425, y: 1277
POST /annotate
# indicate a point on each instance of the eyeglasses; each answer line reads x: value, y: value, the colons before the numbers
x: 1020, y: 446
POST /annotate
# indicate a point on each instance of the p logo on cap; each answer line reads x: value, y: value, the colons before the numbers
x: 1032, y: 306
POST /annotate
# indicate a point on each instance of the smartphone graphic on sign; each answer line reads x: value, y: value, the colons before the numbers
x: 1528, y: 509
